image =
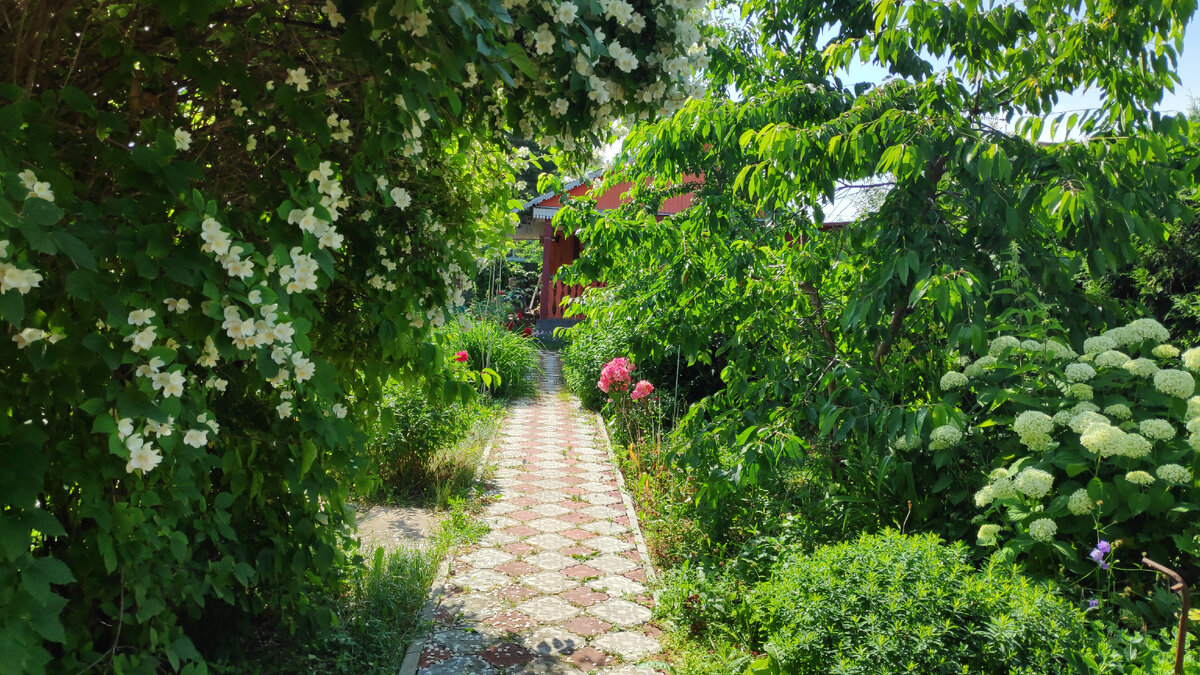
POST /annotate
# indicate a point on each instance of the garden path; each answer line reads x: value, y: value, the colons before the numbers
x: 559, y: 584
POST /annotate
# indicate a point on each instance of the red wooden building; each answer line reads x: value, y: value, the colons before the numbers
x: 559, y: 250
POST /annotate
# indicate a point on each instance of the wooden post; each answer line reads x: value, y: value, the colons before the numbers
x: 547, y: 241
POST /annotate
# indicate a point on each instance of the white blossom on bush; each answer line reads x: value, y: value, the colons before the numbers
x: 1174, y: 474
x: 1033, y: 483
x: 1176, y: 383
x: 1043, y: 529
x: 953, y: 380
x: 943, y: 437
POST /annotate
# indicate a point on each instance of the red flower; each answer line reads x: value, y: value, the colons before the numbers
x: 641, y: 390
x: 461, y: 357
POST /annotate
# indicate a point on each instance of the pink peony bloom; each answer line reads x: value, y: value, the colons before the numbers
x: 461, y: 357
x: 615, y: 375
x: 641, y: 390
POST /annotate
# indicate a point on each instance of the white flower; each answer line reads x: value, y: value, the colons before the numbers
x: 559, y: 107
x: 140, y: 317
x: 1002, y: 344
x: 124, y: 428
x: 1080, y: 503
x: 1058, y: 351
x: 1149, y: 329
x: 400, y: 197
x: 331, y: 11
x: 339, y: 410
x: 1043, y: 529
x: 1081, y: 391
x: 544, y: 39
x: 624, y: 59
x: 1136, y: 446
x: 1118, y: 411
x: 1122, y: 335
x: 183, y: 139
x: 23, y: 280
x: 1098, y: 344
x: 216, y: 240
x: 1191, y: 359
x: 1034, y: 483
x: 566, y: 12
x: 28, y: 179
x: 1111, y: 359
x: 284, y: 409
x: 251, y: 143
x: 142, y: 456
x: 1159, y: 430
x: 979, y: 367
x: 298, y: 78
x: 143, y: 339
x: 1140, y: 367
x: 28, y: 336
x: 1083, y: 420
x: 173, y: 385
x: 196, y: 438
x: 42, y: 190
x: 1104, y: 440
x: 1193, y: 408
x: 985, y: 496
x: 1178, y: 383
x: 238, y: 108
x: 987, y: 534
x: 1165, y: 351
x: 177, y: 305
x: 1079, y: 372
x: 1139, y: 478
x: 953, y: 380
x: 1173, y: 474
x: 418, y: 24
x: 943, y: 437
x: 304, y: 369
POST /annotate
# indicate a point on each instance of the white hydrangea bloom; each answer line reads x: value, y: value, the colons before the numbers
x: 1079, y: 372
x: 1174, y: 474
x: 1058, y: 350
x: 1103, y: 440
x: 1080, y: 503
x: 946, y: 436
x: 1098, y: 344
x: 953, y: 380
x: 1033, y: 422
x: 987, y: 534
x: 1111, y: 359
x: 1142, y: 367
x: 985, y: 496
x: 1033, y: 483
x: 979, y: 367
x: 1193, y: 408
x: 1139, y: 478
x: 1043, y: 529
x: 1136, y: 446
x: 1002, y: 488
x: 1080, y: 391
x: 1149, y: 329
x: 1177, y: 383
x: 1032, y: 346
x: 1165, y: 351
x: 1122, y: 335
x: 1159, y: 430
x: 1002, y: 344
x: 1191, y: 359
x: 1118, y: 411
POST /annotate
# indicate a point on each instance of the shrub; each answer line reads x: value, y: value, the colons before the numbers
x: 894, y: 603
x: 1093, y: 448
x: 490, y: 345
x: 412, y: 430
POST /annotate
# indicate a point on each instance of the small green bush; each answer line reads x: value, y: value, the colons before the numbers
x: 412, y: 430
x: 889, y: 603
x: 590, y: 347
x: 490, y: 345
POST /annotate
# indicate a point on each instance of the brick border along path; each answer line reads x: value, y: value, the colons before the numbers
x: 558, y: 585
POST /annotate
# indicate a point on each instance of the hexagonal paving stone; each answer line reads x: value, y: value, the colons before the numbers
x: 550, y: 582
x: 548, y: 608
x: 550, y: 541
x: 629, y: 645
x: 550, y: 640
x: 607, y: 544
x: 617, y: 585
x: 606, y: 527
x: 507, y: 654
x: 483, y: 580
x: 587, y: 625
x: 621, y: 612
x: 487, y: 558
x: 613, y: 564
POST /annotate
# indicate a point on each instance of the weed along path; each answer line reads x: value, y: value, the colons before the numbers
x: 559, y: 584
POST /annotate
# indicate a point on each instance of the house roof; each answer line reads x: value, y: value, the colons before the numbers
x: 566, y: 188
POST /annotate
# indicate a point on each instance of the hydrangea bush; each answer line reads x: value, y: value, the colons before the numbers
x: 222, y: 225
x: 1102, y: 446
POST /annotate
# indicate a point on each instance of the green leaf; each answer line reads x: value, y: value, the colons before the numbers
x: 75, y: 249
x: 520, y: 58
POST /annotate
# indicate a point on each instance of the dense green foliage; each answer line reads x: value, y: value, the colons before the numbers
x: 489, y: 344
x: 223, y: 225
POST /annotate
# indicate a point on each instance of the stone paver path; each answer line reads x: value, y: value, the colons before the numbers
x: 559, y: 584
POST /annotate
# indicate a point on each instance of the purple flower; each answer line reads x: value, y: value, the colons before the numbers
x: 1103, y: 546
x: 1097, y: 555
x: 1093, y: 603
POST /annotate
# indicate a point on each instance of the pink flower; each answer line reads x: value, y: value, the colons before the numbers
x: 615, y: 375
x: 461, y: 357
x: 641, y: 390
